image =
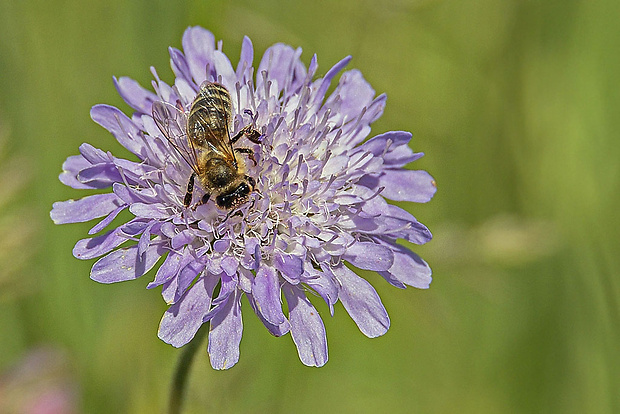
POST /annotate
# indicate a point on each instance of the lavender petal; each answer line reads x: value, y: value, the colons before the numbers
x: 323, y: 283
x: 275, y: 330
x: 123, y: 129
x: 307, y: 328
x: 281, y: 63
x: 408, y: 268
x: 392, y: 147
x: 99, y: 176
x: 362, y: 303
x: 353, y: 92
x: 224, y: 69
x: 125, y: 264
x: 149, y: 211
x: 174, y: 262
x: 135, y: 95
x: 91, y: 248
x: 70, y: 169
x: 94, y: 155
x: 266, y: 291
x: 290, y: 266
x: 227, y: 289
x: 369, y: 256
x: 325, y: 82
x: 183, y: 319
x: 245, y: 60
x: 179, y: 65
x: 185, y: 278
x: 84, y: 209
x: 225, y: 334
x: 198, y: 45
x: 403, y: 185
x: 106, y: 221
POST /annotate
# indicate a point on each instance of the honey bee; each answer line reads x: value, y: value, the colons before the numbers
x: 202, y: 138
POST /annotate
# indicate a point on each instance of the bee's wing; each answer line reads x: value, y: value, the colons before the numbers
x: 210, y: 119
x: 172, y: 123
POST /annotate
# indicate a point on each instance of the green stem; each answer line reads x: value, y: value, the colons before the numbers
x: 181, y: 374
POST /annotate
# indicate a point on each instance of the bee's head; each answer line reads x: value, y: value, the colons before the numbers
x: 237, y: 196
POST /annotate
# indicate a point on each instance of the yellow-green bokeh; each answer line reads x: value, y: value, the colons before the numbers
x: 515, y: 104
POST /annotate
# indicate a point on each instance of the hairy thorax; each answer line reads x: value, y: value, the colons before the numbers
x: 220, y: 174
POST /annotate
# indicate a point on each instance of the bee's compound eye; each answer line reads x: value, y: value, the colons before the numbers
x: 237, y: 197
x: 243, y: 189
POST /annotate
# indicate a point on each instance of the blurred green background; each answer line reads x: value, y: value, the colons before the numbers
x: 516, y: 104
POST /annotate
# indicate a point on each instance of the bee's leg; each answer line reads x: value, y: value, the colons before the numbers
x: 251, y: 133
x: 251, y: 180
x: 248, y: 152
x: 190, y: 191
x: 205, y: 199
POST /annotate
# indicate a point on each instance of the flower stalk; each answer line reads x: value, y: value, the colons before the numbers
x: 180, y: 380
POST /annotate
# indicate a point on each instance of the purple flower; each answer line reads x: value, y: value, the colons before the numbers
x: 319, y: 202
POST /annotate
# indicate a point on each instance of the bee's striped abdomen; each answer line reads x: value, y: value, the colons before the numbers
x: 210, y: 113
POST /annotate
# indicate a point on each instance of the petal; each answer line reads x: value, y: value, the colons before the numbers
x: 245, y: 60
x: 125, y: 193
x: 179, y: 65
x: 289, y: 265
x: 266, y: 292
x: 387, y: 220
x: 135, y: 226
x: 369, y: 256
x: 224, y: 68
x: 183, y: 319
x: 106, y: 221
x: 198, y: 45
x: 227, y: 288
x: 392, y: 147
x: 362, y: 303
x: 185, y: 278
x: 307, y: 328
x: 324, y: 83
x: 281, y: 63
x: 150, y: 211
x: 408, y: 268
x: 357, y: 129
x: 70, y: 169
x: 413, y: 231
x: 98, y: 246
x: 335, y: 166
x: 225, y: 334
x: 99, y: 175
x: 174, y: 288
x: 275, y: 330
x: 403, y: 185
x: 174, y: 262
x: 230, y: 265
x: 84, y: 209
x: 94, y: 155
x: 135, y: 95
x: 183, y: 238
x: 145, y: 239
x: 135, y: 171
x: 353, y: 94
x: 123, y: 128
x: 125, y: 264
x: 323, y: 284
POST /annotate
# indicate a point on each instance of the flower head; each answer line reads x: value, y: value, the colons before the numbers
x: 319, y: 202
